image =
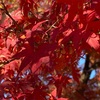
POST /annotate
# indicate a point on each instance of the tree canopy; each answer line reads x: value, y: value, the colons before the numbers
x: 41, y: 44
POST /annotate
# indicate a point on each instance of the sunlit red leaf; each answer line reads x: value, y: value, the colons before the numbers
x: 41, y: 42
x: 94, y: 41
x: 34, y: 28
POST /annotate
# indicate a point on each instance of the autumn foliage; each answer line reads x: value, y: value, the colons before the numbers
x: 41, y: 43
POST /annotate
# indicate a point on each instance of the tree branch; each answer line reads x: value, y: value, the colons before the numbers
x: 86, y: 71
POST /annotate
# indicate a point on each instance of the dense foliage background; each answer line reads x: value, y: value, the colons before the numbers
x: 41, y: 43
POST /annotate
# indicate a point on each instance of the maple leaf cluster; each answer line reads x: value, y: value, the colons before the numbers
x: 41, y: 43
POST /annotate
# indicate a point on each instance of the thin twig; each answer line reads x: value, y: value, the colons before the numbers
x: 7, y: 13
x: 52, y: 26
x: 5, y: 62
